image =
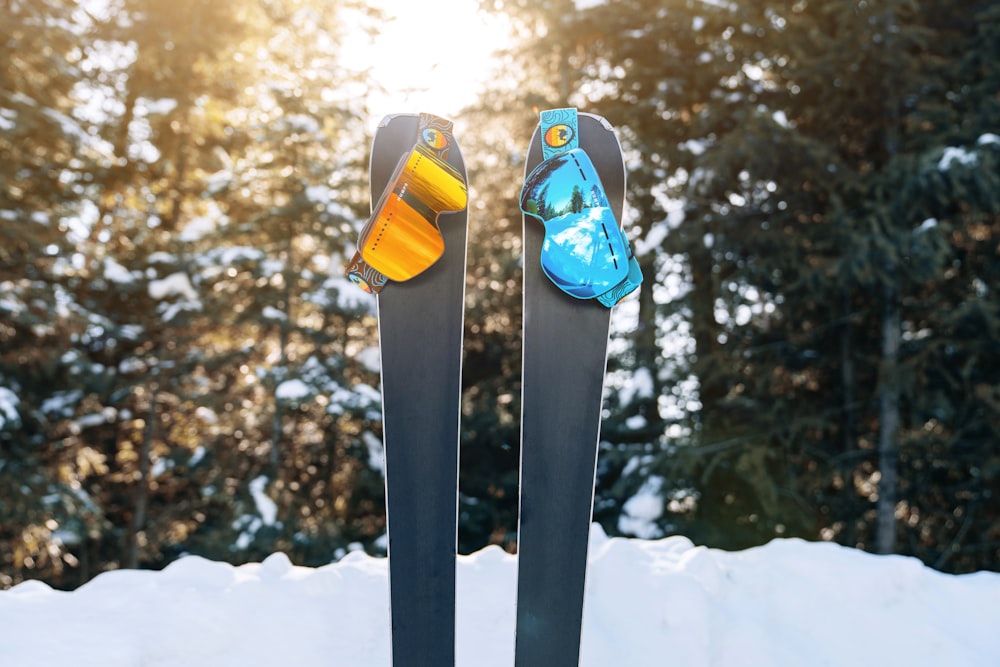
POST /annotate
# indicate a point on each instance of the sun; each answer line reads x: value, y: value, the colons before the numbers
x: 429, y: 56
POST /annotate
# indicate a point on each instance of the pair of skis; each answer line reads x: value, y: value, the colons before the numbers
x: 564, y: 358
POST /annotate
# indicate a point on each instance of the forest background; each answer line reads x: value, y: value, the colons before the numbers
x: 814, y: 198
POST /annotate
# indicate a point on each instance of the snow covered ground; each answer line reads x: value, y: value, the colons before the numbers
x: 666, y: 602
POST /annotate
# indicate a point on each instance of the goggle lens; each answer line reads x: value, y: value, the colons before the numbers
x: 584, y: 252
x: 401, y: 239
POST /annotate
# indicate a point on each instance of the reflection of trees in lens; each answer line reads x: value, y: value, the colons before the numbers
x: 576, y: 200
x: 597, y: 196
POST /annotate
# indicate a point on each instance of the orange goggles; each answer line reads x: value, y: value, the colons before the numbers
x: 401, y: 238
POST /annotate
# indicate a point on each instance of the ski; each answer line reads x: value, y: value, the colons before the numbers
x: 420, y: 326
x: 565, y: 342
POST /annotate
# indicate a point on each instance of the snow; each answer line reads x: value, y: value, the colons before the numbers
x: 61, y: 403
x: 208, y: 416
x: 95, y: 419
x: 266, y: 507
x: 162, y: 106
x: 292, y: 390
x: 648, y: 603
x: 367, y: 393
x: 300, y: 124
x: 376, y: 455
x: 116, y: 273
x: 10, y: 303
x: 319, y: 193
x: 652, y: 241
x: 271, y: 267
x: 695, y: 146
x: 640, y: 512
x: 7, y: 117
x: 175, y: 284
x: 370, y: 358
x: 272, y: 313
x: 927, y: 225
x: 953, y: 154
x: 636, y: 422
x: 8, y: 408
x: 131, y: 365
x: 197, y: 456
x: 197, y: 228
x: 641, y: 385
x: 231, y: 255
x: 266, y: 514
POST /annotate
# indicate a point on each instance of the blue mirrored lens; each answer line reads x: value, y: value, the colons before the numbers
x: 565, y: 183
x: 584, y: 252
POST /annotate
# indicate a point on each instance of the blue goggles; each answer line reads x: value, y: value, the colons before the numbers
x: 584, y: 253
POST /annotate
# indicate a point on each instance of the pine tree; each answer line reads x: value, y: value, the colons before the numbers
x: 786, y: 191
x: 41, y: 177
x: 220, y: 187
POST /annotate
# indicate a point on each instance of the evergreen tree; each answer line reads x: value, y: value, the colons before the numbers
x: 210, y: 220
x: 788, y: 227
x: 42, y: 174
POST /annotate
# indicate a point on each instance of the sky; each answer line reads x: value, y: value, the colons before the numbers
x: 429, y: 56
x: 648, y: 603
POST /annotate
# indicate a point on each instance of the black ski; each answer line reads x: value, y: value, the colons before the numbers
x: 420, y: 339
x: 565, y: 344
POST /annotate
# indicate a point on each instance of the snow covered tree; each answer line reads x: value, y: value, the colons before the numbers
x: 796, y: 170
x: 218, y: 185
x: 46, y: 150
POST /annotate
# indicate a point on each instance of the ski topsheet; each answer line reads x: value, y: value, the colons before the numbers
x: 420, y: 324
x: 565, y: 343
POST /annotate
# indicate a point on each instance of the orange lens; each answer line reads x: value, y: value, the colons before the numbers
x: 434, y: 181
x: 402, y: 238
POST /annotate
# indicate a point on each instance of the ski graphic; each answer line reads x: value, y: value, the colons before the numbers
x: 565, y: 343
x: 420, y: 324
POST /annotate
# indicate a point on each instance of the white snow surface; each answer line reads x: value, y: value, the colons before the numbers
x: 292, y: 390
x: 648, y: 603
x: 8, y: 407
x: 176, y: 284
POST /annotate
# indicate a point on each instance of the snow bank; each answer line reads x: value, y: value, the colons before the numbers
x: 648, y: 603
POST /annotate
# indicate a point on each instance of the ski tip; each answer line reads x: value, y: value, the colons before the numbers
x: 388, y: 118
x: 600, y: 119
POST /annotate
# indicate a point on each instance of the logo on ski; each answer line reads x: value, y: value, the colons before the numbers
x: 364, y: 276
x: 360, y: 282
x: 560, y: 135
x: 434, y: 138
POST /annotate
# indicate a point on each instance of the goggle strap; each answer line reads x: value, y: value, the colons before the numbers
x: 560, y: 131
x: 364, y: 275
x: 435, y: 133
x: 630, y: 283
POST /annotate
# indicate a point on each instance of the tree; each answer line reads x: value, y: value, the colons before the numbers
x: 203, y: 289
x: 41, y: 178
x: 776, y: 155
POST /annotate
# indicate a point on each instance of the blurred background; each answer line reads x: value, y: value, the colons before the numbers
x: 814, y: 198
